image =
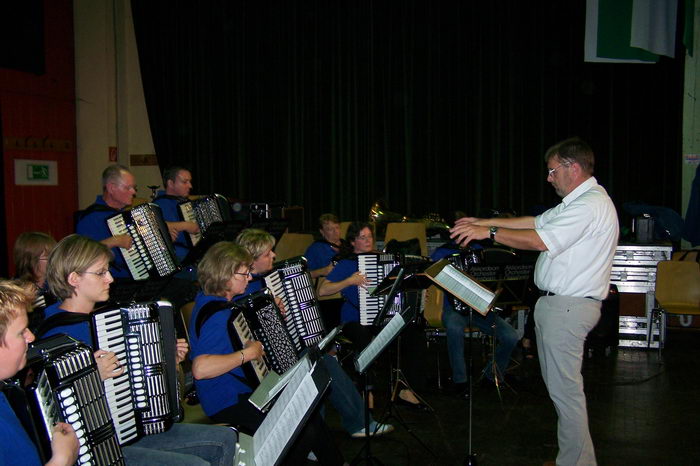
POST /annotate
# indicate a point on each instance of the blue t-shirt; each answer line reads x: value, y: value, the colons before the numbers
x: 350, y: 312
x: 219, y: 392
x: 94, y: 225
x: 319, y: 255
x: 80, y: 331
x: 168, y: 206
x: 15, y: 446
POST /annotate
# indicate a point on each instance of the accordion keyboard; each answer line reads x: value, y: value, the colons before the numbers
x: 291, y: 282
x: 245, y: 335
x: 375, y: 267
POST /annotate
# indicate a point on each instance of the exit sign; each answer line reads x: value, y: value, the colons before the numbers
x: 38, y: 172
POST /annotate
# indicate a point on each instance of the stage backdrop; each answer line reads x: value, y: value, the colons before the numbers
x: 431, y: 106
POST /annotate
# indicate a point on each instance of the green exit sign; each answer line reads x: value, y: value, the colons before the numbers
x: 37, y: 172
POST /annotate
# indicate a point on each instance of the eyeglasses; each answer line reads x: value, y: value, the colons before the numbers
x: 244, y: 274
x: 101, y: 274
x: 550, y: 171
x: 127, y: 187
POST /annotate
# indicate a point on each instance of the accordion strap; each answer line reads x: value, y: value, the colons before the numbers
x: 171, y: 197
x: 60, y: 320
x: 208, y: 310
x: 94, y: 208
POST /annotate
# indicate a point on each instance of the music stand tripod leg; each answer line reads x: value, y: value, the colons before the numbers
x: 390, y: 411
x: 367, y: 458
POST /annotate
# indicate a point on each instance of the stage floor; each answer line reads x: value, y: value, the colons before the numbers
x: 643, y: 410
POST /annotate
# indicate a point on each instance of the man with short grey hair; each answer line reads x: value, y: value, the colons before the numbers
x: 577, y: 240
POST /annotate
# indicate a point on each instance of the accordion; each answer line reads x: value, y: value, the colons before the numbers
x: 152, y: 253
x: 256, y: 317
x: 376, y: 266
x: 204, y: 212
x: 64, y: 385
x: 291, y: 282
x: 144, y: 399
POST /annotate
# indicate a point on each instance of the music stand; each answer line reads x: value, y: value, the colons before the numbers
x: 362, y: 363
x: 477, y: 297
x: 402, y: 278
x: 285, y: 420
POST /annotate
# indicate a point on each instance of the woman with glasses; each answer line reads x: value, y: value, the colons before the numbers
x: 343, y: 395
x: 224, y: 272
x: 78, y: 274
x: 345, y: 278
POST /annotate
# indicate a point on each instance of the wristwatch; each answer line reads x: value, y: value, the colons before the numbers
x: 492, y: 233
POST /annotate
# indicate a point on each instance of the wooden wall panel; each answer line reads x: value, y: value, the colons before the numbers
x: 38, y: 123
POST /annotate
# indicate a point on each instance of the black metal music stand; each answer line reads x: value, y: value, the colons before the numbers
x: 499, y: 378
x: 401, y: 279
x: 453, y: 287
x: 362, y: 363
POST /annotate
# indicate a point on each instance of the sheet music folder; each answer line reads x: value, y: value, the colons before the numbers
x: 273, y: 383
x: 285, y: 420
x: 462, y: 286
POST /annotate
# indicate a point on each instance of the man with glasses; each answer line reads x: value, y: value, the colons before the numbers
x: 577, y: 240
x: 118, y: 191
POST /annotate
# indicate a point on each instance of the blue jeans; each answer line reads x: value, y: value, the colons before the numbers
x: 455, y: 323
x: 183, y: 445
x: 344, y: 397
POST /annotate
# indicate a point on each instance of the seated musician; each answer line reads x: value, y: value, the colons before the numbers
x: 15, y: 445
x: 343, y: 394
x: 320, y: 256
x: 78, y: 274
x: 178, y: 184
x: 223, y: 390
x: 30, y: 255
x: 491, y: 324
x: 118, y: 192
x: 346, y: 278
x: 320, y: 253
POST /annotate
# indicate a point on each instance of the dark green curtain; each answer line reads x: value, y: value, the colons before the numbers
x: 431, y: 106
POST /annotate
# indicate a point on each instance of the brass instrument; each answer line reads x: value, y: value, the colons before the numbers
x: 379, y: 217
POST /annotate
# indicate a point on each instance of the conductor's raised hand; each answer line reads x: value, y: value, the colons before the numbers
x: 466, y: 231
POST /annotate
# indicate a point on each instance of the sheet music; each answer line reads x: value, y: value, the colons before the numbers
x: 377, y: 345
x: 280, y: 424
x: 462, y: 286
x: 273, y: 383
x: 476, y: 292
